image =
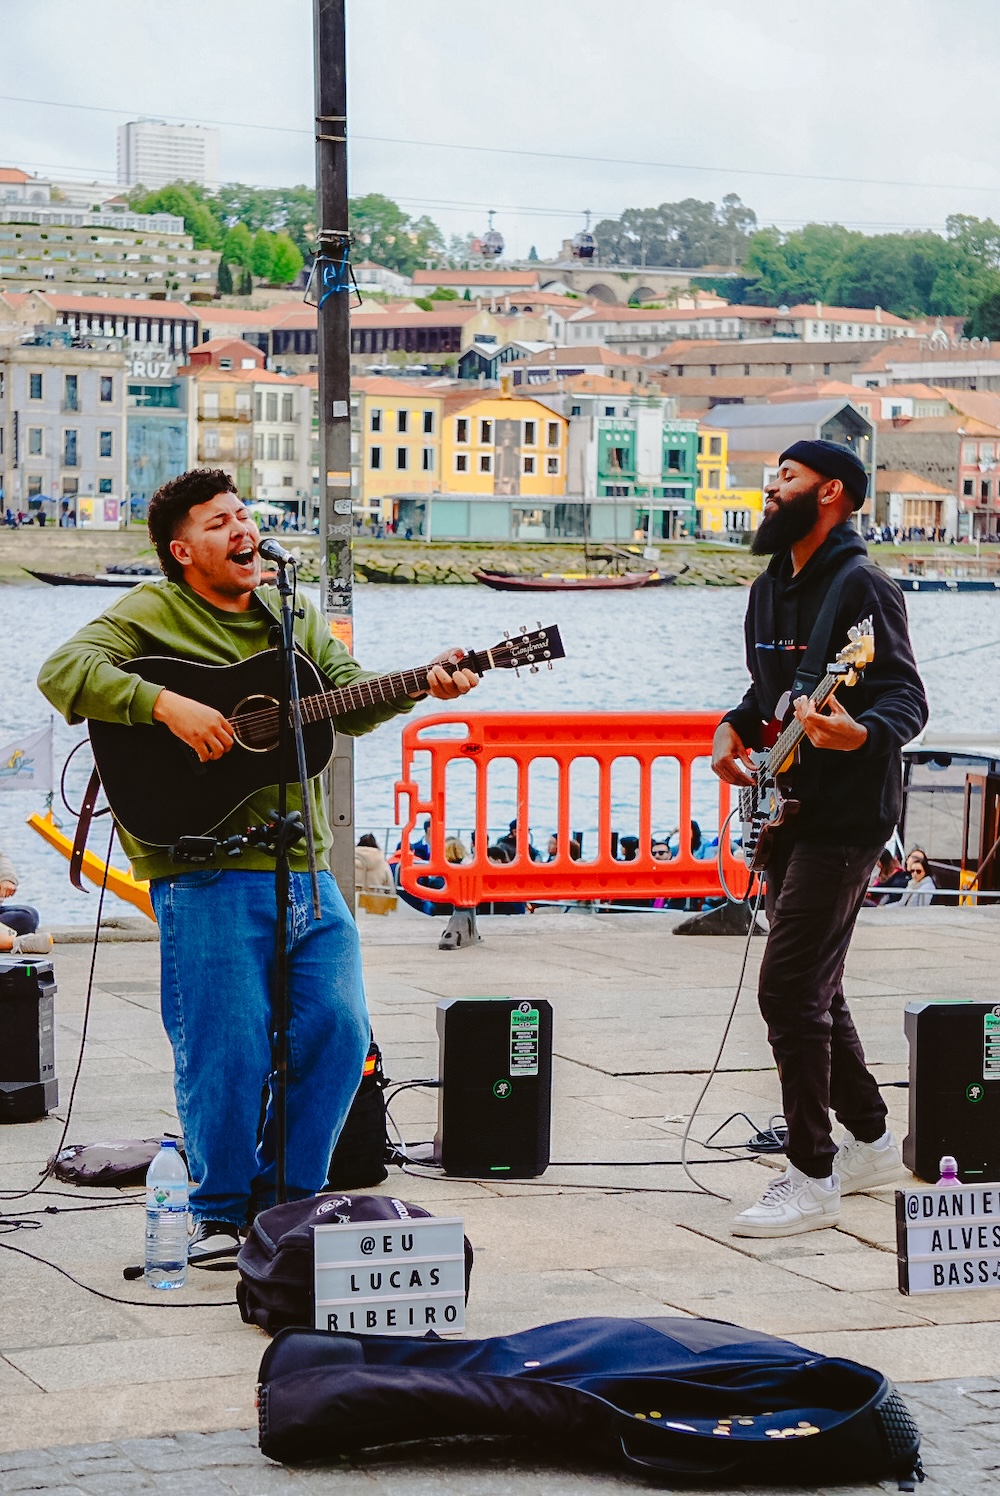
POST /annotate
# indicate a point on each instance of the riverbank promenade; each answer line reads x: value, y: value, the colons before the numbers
x: 101, y: 1397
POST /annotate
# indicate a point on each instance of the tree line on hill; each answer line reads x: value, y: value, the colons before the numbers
x: 267, y: 232
x: 913, y: 273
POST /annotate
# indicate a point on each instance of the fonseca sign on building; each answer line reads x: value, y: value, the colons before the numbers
x: 948, y: 1239
x: 391, y: 1278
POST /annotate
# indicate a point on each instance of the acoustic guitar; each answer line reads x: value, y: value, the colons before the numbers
x: 159, y: 791
x: 767, y: 803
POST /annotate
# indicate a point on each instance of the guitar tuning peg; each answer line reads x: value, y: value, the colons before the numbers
x: 533, y: 670
x: 524, y: 629
x: 506, y: 633
x: 550, y: 664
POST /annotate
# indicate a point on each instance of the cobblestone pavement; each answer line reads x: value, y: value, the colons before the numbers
x: 959, y: 1422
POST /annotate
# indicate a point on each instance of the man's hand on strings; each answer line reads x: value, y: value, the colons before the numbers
x: 446, y: 685
x: 200, y: 727
x: 730, y: 758
x: 835, y: 728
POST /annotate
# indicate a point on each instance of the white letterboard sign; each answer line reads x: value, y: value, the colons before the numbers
x: 391, y: 1277
x: 948, y: 1239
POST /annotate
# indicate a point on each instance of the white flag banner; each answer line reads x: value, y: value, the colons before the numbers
x: 27, y: 763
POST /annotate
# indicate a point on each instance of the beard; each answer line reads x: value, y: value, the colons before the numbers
x: 792, y: 521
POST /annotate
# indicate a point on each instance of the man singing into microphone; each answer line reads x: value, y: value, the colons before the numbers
x: 217, y: 921
x: 849, y: 785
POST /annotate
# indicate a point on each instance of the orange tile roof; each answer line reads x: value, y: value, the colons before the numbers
x: 723, y: 388
x: 899, y: 480
x: 472, y: 278
x: 13, y: 174
x: 118, y: 305
x: 453, y: 314
x: 983, y: 404
x: 941, y: 425
x: 211, y: 374
x: 809, y: 311
x: 215, y: 345
x: 383, y: 384
x: 820, y: 389
x: 586, y: 384
x: 594, y: 354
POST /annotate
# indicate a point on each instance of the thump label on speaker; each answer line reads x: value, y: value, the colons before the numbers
x: 384, y: 1278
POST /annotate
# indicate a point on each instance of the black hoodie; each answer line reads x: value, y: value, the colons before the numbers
x: 855, y: 797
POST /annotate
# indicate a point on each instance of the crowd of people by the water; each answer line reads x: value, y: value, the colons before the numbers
x: 894, y: 882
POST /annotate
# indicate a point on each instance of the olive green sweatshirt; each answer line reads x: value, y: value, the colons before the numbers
x: 88, y: 677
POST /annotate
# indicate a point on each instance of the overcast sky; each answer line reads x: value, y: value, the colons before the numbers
x: 766, y: 98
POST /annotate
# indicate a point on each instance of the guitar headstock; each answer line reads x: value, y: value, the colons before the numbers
x: 859, y: 650
x: 525, y: 649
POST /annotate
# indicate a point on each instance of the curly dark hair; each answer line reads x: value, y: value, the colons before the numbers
x: 172, y: 502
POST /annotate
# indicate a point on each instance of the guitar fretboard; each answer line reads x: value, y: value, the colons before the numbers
x: 379, y: 689
x: 793, y: 734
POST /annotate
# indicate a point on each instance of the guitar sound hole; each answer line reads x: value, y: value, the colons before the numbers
x: 255, y: 723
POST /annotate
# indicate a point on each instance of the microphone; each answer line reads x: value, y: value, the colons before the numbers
x: 270, y: 550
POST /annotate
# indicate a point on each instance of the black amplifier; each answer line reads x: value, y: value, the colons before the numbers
x: 28, y: 1085
x: 495, y: 1100
x: 954, y: 1089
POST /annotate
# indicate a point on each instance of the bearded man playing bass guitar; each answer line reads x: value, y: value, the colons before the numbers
x: 217, y: 921
x: 848, y: 784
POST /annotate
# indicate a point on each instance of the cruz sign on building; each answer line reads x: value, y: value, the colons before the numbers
x: 947, y: 1239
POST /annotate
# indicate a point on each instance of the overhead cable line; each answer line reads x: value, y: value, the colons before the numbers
x: 497, y: 150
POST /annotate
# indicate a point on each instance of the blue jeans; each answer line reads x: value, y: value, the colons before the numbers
x: 19, y: 917
x: 217, y: 929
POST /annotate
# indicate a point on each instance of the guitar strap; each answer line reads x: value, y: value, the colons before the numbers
x: 812, y: 666
x: 90, y: 795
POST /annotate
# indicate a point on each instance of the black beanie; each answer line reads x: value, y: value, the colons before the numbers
x: 833, y: 461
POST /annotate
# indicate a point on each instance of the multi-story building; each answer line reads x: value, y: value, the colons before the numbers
x: 385, y: 334
x: 722, y: 507
x: 630, y: 457
x: 395, y: 444
x: 153, y: 330
x: 250, y: 423
x: 758, y: 434
x: 62, y: 429
x: 160, y: 438
x: 648, y: 330
x: 53, y: 247
x: 957, y: 453
x: 152, y: 153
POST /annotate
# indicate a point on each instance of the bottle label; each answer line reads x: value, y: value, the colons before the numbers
x: 172, y: 1197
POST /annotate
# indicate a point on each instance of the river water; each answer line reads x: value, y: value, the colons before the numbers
x: 666, y: 650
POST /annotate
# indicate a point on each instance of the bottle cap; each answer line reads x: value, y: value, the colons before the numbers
x: 169, y: 1143
x: 948, y: 1165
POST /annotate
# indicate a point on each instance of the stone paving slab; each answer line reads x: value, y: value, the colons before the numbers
x: 637, y: 1019
x: 960, y: 1448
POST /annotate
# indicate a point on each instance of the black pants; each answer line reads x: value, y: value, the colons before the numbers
x: 813, y: 895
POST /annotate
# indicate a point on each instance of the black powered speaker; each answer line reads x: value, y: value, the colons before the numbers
x: 495, y: 1101
x: 954, y: 1089
x: 28, y: 1085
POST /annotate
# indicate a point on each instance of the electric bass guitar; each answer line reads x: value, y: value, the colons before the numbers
x: 159, y: 791
x: 767, y: 803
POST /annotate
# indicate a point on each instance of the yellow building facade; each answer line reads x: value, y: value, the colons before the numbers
x: 395, y: 443
x: 502, y: 445
x: 721, y: 509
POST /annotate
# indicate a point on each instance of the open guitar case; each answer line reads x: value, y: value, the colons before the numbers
x: 674, y: 1400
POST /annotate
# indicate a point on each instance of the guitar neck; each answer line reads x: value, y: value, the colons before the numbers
x: 793, y: 734
x: 381, y: 689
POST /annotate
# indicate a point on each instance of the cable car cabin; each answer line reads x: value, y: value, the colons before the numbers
x: 492, y: 244
x: 583, y: 246
x: 951, y: 809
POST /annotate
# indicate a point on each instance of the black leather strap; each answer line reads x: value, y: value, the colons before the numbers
x: 812, y: 666
x: 90, y: 795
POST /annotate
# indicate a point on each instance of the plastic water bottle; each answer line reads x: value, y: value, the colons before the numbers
x: 167, y: 1218
x: 949, y: 1172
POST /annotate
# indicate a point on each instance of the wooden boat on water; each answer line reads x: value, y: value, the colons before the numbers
x: 118, y: 882
x: 573, y: 581
x: 82, y: 579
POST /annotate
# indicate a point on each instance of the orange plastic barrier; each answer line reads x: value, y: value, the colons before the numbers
x: 644, y: 737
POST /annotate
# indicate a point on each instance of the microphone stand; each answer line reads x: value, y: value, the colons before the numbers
x: 287, y: 830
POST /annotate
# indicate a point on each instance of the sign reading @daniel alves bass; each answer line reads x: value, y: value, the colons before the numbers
x: 948, y: 1238
x: 391, y: 1277
x: 27, y: 763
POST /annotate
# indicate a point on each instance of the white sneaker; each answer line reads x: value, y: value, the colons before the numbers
x: 862, y: 1166
x: 790, y: 1204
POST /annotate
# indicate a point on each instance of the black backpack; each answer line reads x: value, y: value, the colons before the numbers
x: 677, y: 1400
x: 275, y: 1263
